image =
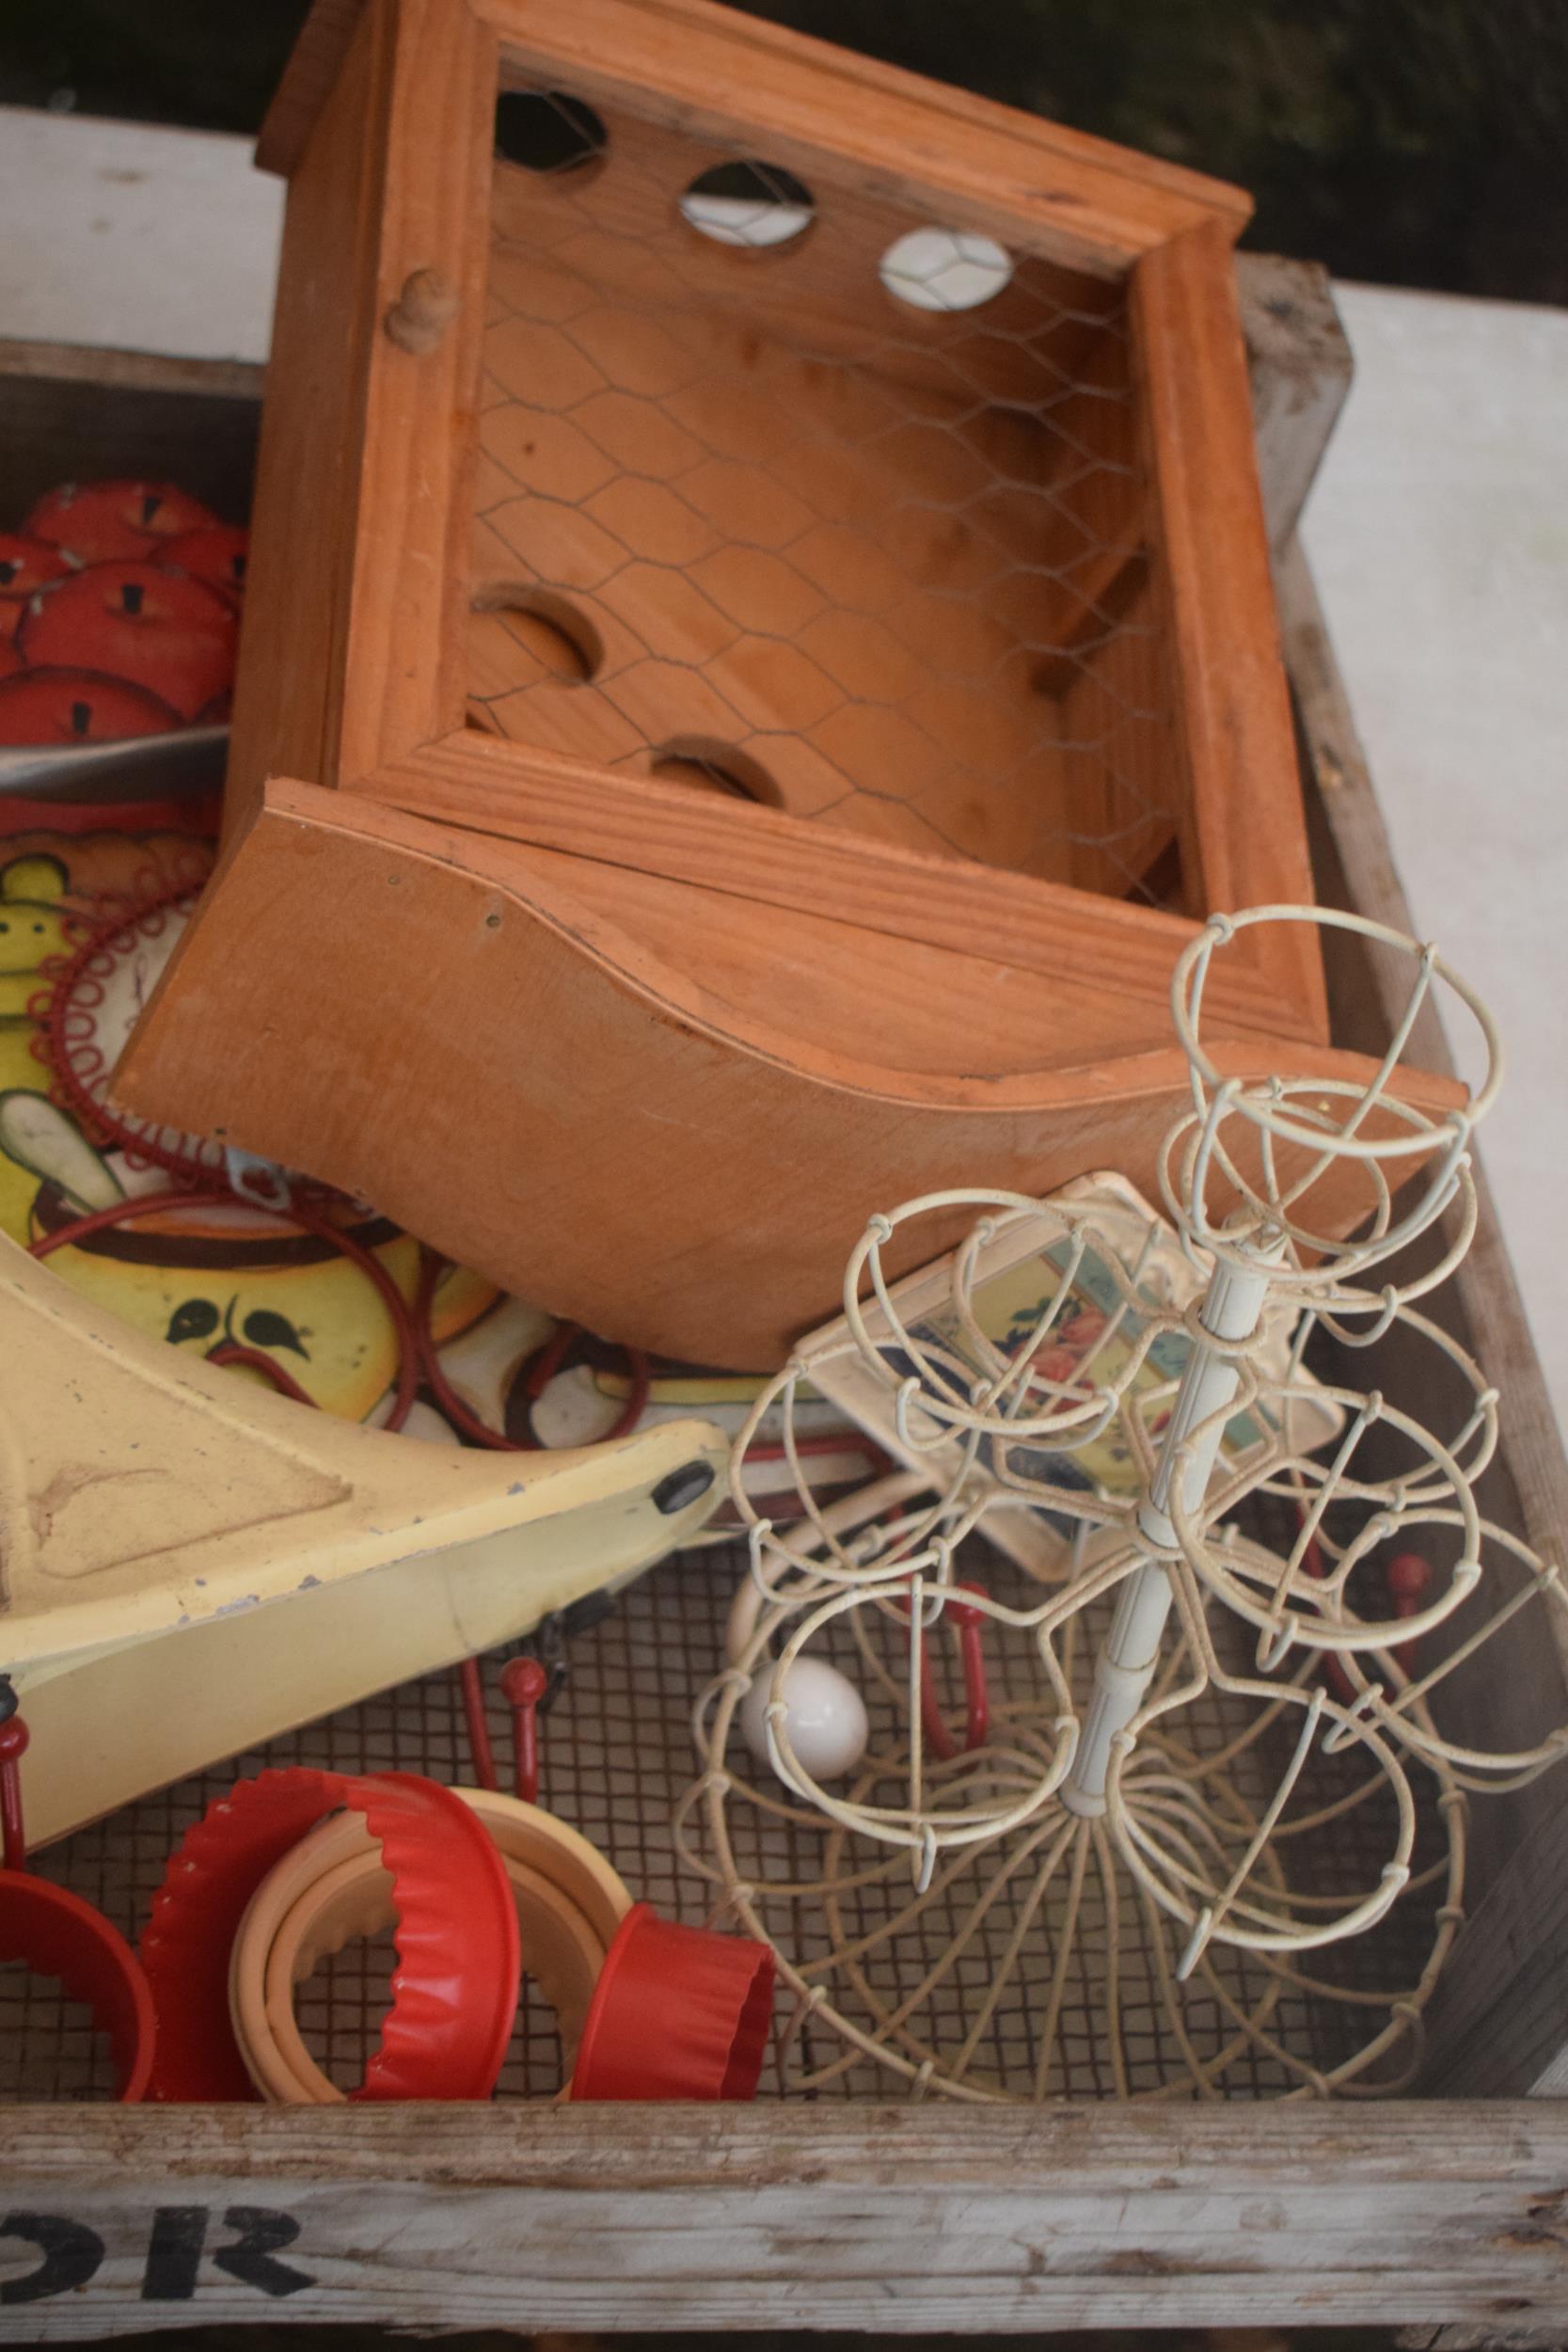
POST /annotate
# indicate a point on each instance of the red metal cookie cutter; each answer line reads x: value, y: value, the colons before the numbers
x: 54, y: 1933
x: 454, y: 1991
x: 678, y: 2013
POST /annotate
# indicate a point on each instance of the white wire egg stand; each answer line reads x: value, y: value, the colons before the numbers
x: 1134, y: 1820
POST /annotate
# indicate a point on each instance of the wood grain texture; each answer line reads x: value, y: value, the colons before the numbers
x: 901, y: 2218
x: 405, y: 652
x: 760, y: 856
x: 359, y: 592
x: 307, y: 82
x: 67, y: 413
x: 1243, y: 841
x: 1500, y: 2023
x: 930, y: 709
x: 1075, y: 199
x: 1500, y: 2020
x: 1299, y: 368
x: 1120, y: 744
x: 611, y: 221
x: 1487, y: 1281
x: 128, y: 371
x: 300, y: 577
x: 752, y: 53
x: 543, y: 1048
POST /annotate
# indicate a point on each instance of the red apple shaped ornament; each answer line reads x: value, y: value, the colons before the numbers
x: 9, y: 659
x: 172, y: 634
x: 99, y: 520
x: 26, y: 566
x: 216, y: 555
x: 66, y: 706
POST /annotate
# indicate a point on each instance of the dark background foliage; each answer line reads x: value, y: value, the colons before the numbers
x: 1414, y: 142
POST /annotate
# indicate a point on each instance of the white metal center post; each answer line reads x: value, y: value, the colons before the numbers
x: 1229, y: 1315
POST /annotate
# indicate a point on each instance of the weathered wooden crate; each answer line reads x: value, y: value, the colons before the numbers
x: 70, y: 411
x: 900, y: 2216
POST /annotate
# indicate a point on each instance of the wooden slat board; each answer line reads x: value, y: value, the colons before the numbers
x: 678, y: 1074
x: 1081, y: 202
x: 1242, y: 840
x: 907, y: 2219
x: 657, y: 829
x: 308, y: 475
x: 405, y: 652
x: 1299, y: 371
x: 1158, y: 191
x: 308, y: 78
x: 1487, y: 1281
x: 1499, y: 2024
x: 188, y: 421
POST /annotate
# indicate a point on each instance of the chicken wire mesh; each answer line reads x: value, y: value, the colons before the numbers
x: 617, y: 1757
x: 794, y: 494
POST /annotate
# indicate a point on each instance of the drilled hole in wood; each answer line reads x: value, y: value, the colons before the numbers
x: 705, y: 766
x: 562, y: 640
x: 546, y: 131
x: 945, y: 269
x: 754, y: 205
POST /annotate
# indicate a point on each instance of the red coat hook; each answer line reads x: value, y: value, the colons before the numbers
x: 13, y: 1838
x: 968, y: 1622
x: 524, y: 1684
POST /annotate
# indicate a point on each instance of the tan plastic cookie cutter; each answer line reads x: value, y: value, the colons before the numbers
x: 445, y: 2031
x: 332, y: 1888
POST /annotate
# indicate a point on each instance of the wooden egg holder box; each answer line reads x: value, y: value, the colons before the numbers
x: 768, y: 553
x: 831, y: 440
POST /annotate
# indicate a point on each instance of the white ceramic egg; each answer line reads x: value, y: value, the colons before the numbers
x: 826, y: 1723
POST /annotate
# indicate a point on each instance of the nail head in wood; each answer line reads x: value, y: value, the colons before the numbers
x: 422, y: 312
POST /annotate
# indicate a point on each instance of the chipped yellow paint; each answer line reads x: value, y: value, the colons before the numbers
x: 189, y: 1565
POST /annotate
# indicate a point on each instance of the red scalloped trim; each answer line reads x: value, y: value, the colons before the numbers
x: 454, y: 1991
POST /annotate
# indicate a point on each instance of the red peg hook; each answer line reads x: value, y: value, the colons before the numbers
x: 1408, y: 1577
x: 525, y: 1683
x: 968, y: 1622
x: 13, y: 1837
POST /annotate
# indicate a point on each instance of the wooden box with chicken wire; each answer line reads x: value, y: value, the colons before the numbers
x: 757, y: 558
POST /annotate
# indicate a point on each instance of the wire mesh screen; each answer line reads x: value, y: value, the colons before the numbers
x: 617, y: 1757
x: 791, y: 493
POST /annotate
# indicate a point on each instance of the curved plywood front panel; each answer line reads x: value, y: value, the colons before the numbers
x: 600, y: 1110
